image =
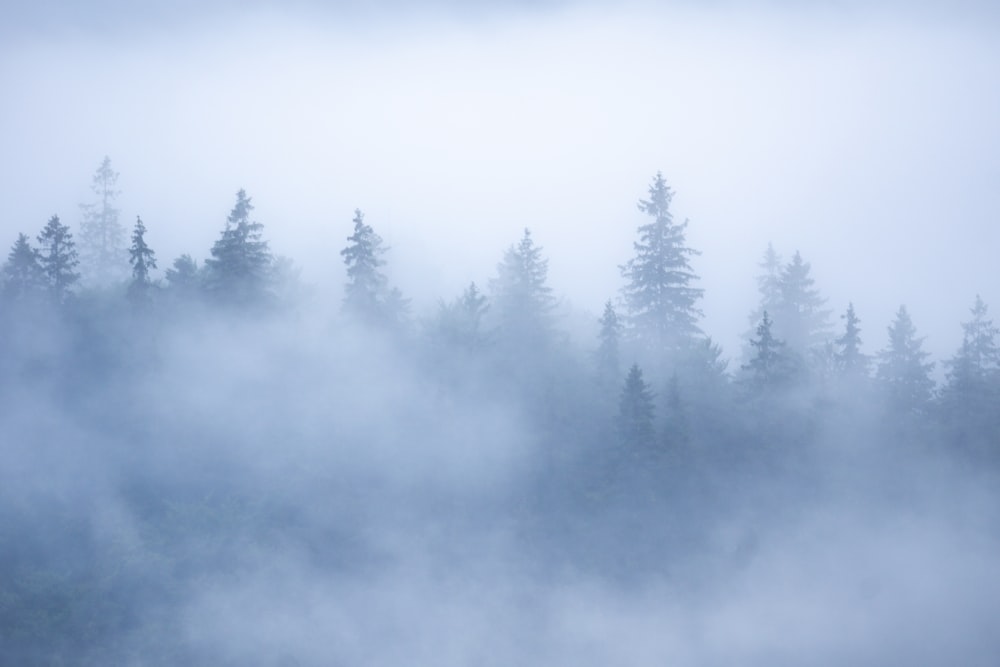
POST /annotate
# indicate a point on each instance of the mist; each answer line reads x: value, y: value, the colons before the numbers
x: 301, y: 463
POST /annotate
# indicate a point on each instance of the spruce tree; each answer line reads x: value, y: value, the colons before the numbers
x: 143, y: 259
x: 23, y: 276
x: 523, y: 301
x: 971, y: 394
x: 769, y: 289
x: 102, y: 236
x: 239, y: 270
x: 903, y: 370
x: 659, y: 297
x: 636, y: 412
x: 608, y: 350
x: 800, y: 319
x: 771, y: 365
x: 851, y: 362
x: 58, y: 258
x: 182, y: 276
x: 367, y: 295
x: 459, y: 324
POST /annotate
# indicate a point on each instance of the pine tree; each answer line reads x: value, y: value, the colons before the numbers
x: 903, y: 371
x: 142, y: 258
x: 102, y: 236
x: 459, y: 324
x: 23, y: 277
x: 58, y: 258
x: 971, y: 394
x: 636, y: 412
x: 771, y: 365
x: 608, y: 362
x: 182, y: 277
x: 800, y: 319
x: 239, y: 270
x: 659, y: 297
x: 769, y: 289
x: 850, y: 361
x: 367, y: 295
x: 523, y: 301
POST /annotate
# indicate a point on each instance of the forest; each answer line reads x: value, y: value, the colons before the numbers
x: 208, y: 461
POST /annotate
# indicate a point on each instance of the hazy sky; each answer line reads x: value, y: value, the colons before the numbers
x: 863, y: 135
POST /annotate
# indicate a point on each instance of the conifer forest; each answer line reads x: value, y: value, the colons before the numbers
x: 213, y: 457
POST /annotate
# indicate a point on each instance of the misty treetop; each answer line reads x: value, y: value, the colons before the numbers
x: 659, y: 293
x: 235, y: 416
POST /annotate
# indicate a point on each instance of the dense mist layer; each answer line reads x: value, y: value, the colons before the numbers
x: 518, y: 410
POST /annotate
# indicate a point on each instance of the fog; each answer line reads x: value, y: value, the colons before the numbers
x: 191, y: 478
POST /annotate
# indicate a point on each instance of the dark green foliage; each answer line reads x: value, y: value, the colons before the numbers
x: 239, y: 271
x: 660, y: 299
x: 58, y: 258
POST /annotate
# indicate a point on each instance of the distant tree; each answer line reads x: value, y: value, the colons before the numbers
x: 676, y: 430
x: 102, y: 236
x: 523, y: 301
x: 23, y: 276
x: 182, y: 277
x: 143, y: 259
x: 771, y: 365
x: 660, y: 300
x: 367, y: 295
x: 459, y: 323
x: 903, y: 370
x: 971, y: 395
x: 608, y: 349
x: 769, y: 290
x: 636, y: 412
x: 239, y: 270
x: 58, y: 258
x: 850, y: 360
x: 800, y: 319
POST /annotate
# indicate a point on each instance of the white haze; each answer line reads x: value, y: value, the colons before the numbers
x: 866, y: 139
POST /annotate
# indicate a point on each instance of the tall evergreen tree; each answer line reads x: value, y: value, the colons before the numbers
x: 102, y: 236
x: 659, y: 297
x: 239, y: 270
x: 523, y: 301
x: 608, y: 349
x: 800, y: 319
x: 23, y: 277
x: 903, y: 370
x: 971, y: 395
x: 367, y: 295
x: 143, y: 259
x: 58, y: 258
